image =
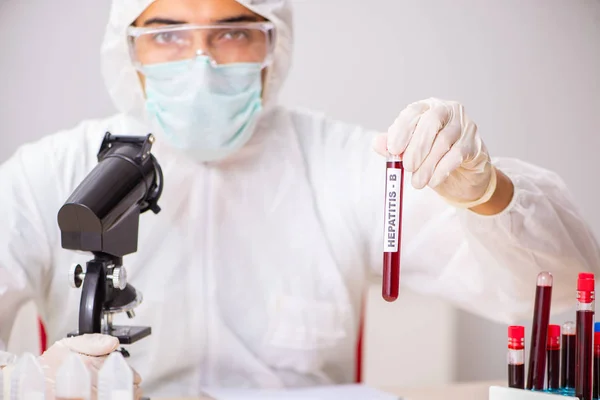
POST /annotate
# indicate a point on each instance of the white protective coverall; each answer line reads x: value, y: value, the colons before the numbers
x: 253, y: 272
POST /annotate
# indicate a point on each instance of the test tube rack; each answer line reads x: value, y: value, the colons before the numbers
x: 506, y: 393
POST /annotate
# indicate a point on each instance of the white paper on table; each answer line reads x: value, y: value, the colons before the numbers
x: 337, y: 392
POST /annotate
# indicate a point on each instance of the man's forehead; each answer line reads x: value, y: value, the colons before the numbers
x: 196, y: 11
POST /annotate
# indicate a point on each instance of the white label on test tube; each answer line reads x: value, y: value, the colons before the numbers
x: 392, y: 209
x: 121, y: 395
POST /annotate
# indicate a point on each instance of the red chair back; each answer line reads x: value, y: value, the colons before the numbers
x: 43, y: 336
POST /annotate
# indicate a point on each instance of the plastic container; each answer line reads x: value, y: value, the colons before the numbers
x: 73, y: 380
x: 27, y: 381
x: 115, y: 379
x: 9, y: 361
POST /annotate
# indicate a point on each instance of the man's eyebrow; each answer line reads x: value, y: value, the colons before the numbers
x: 239, y: 18
x: 228, y: 20
x: 163, y: 21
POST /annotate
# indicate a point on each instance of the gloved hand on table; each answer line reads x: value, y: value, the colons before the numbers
x: 440, y: 146
x: 92, y: 349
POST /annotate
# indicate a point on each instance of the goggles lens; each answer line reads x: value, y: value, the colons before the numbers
x: 223, y: 44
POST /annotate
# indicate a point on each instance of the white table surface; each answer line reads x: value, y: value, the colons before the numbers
x: 458, y: 391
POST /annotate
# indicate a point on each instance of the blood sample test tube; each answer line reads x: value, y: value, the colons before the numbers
x: 393, y: 227
x: 536, y: 372
x: 516, y: 356
x: 553, y: 358
x: 567, y: 368
x: 596, y: 384
x: 584, y: 334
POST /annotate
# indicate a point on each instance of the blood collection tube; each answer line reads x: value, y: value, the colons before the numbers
x: 567, y: 369
x: 516, y: 356
x: 536, y: 372
x: 584, y: 334
x: 553, y: 358
x: 596, y: 385
x: 393, y: 227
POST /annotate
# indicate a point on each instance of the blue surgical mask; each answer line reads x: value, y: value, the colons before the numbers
x: 207, y: 111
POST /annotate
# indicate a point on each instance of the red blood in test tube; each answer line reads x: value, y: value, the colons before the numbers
x: 584, y: 333
x: 567, y: 368
x: 536, y: 372
x: 393, y: 228
x: 516, y: 356
x: 553, y: 348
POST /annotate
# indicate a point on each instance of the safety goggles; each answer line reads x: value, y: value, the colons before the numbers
x: 223, y: 44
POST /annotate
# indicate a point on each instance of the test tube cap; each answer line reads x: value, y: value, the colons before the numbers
x: 516, y: 332
x: 585, y: 282
x: 569, y: 328
x: 553, y: 331
x: 27, y: 381
x: 73, y: 379
x: 544, y: 278
x: 115, y: 379
x: 597, y: 327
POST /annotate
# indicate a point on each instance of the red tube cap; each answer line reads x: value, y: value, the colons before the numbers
x: 585, y: 282
x: 597, y: 338
x: 516, y: 332
x: 553, y: 331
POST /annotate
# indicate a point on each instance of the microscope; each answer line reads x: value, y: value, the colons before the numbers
x: 102, y: 217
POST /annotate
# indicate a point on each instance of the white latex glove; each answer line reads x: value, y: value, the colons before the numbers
x: 93, y: 350
x: 440, y: 146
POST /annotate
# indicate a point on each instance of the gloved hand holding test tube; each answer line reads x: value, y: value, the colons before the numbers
x: 438, y: 145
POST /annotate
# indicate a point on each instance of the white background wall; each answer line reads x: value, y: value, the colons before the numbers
x: 527, y: 71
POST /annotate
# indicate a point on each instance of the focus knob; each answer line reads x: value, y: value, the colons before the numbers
x: 76, y: 276
x: 119, y: 278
